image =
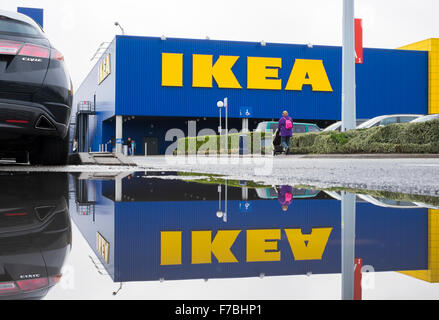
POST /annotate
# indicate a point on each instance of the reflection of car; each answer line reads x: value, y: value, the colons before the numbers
x: 337, y: 126
x: 388, y: 119
x: 297, y: 127
x: 271, y: 193
x: 388, y: 203
x: 35, y: 233
x: 427, y: 118
x: 35, y: 94
x: 382, y: 202
x: 334, y: 194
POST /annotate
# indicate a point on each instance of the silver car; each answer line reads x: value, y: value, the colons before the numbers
x: 337, y: 126
x: 427, y: 118
x: 389, y: 119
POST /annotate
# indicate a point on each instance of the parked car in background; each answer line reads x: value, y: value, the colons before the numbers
x: 297, y: 127
x: 272, y: 193
x: 427, y: 118
x: 389, y: 119
x: 337, y: 126
x: 35, y: 94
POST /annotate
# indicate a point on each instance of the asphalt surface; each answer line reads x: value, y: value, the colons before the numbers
x: 413, y: 176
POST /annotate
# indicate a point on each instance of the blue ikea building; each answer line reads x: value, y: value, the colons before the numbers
x: 142, y: 87
x: 133, y: 226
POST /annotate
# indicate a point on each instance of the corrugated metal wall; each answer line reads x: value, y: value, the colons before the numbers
x: 389, y: 81
x: 105, y: 93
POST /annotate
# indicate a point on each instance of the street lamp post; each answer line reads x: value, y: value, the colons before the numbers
x: 117, y: 24
x: 220, y: 104
x: 348, y: 109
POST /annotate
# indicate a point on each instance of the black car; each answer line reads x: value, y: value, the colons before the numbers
x: 35, y: 94
x: 35, y: 233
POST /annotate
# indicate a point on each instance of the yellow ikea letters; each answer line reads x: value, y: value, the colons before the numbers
x: 170, y: 248
x: 172, y: 69
x: 261, y: 245
x: 221, y: 71
x: 309, y: 72
x: 262, y: 73
x: 314, y: 246
x: 203, y: 246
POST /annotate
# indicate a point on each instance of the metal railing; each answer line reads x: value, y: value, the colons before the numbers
x: 86, y: 107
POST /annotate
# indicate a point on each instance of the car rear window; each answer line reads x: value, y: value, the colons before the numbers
x: 406, y: 119
x: 273, y: 126
x: 388, y: 121
x: 299, y: 128
x: 313, y: 129
x: 11, y: 26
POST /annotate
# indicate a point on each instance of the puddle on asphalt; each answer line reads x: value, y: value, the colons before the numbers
x: 138, y: 236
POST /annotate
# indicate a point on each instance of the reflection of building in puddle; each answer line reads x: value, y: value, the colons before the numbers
x: 169, y: 229
x: 35, y: 233
x: 431, y: 273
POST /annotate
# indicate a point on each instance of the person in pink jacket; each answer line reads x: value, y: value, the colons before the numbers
x: 286, y: 131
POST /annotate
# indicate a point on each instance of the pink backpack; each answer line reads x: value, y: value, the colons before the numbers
x: 288, y: 124
x: 288, y: 196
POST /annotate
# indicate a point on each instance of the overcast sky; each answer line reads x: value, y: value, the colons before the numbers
x: 78, y: 27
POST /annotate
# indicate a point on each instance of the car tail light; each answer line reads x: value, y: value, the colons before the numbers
x: 16, y: 121
x: 16, y: 214
x: 56, y: 55
x: 55, y: 279
x: 32, y: 50
x: 8, y: 287
x: 9, y: 47
x: 32, y: 284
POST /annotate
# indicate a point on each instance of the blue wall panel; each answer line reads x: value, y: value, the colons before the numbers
x: 35, y: 13
x: 389, y: 81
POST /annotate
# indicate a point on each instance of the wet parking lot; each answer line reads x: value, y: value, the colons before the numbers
x: 171, y: 235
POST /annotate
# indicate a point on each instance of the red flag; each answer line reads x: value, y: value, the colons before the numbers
x: 358, y: 41
x: 358, y: 263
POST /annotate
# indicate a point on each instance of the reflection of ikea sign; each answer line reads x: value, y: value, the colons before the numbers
x: 262, y: 73
x: 104, y: 69
x: 103, y: 247
x: 261, y: 245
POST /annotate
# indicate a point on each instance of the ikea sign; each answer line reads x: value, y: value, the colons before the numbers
x: 186, y: 77
x: 262, y: 73
x: 261, y: 245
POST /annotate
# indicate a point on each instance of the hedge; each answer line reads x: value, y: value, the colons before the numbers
x: 216, y: 144
x: 395, y: 138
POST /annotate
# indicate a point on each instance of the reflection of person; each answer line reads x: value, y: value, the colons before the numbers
x: 75, y: 145
x: 113, y: 143
x: 133, y: 147
x: 285, y: 196
x: 286, y: 131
